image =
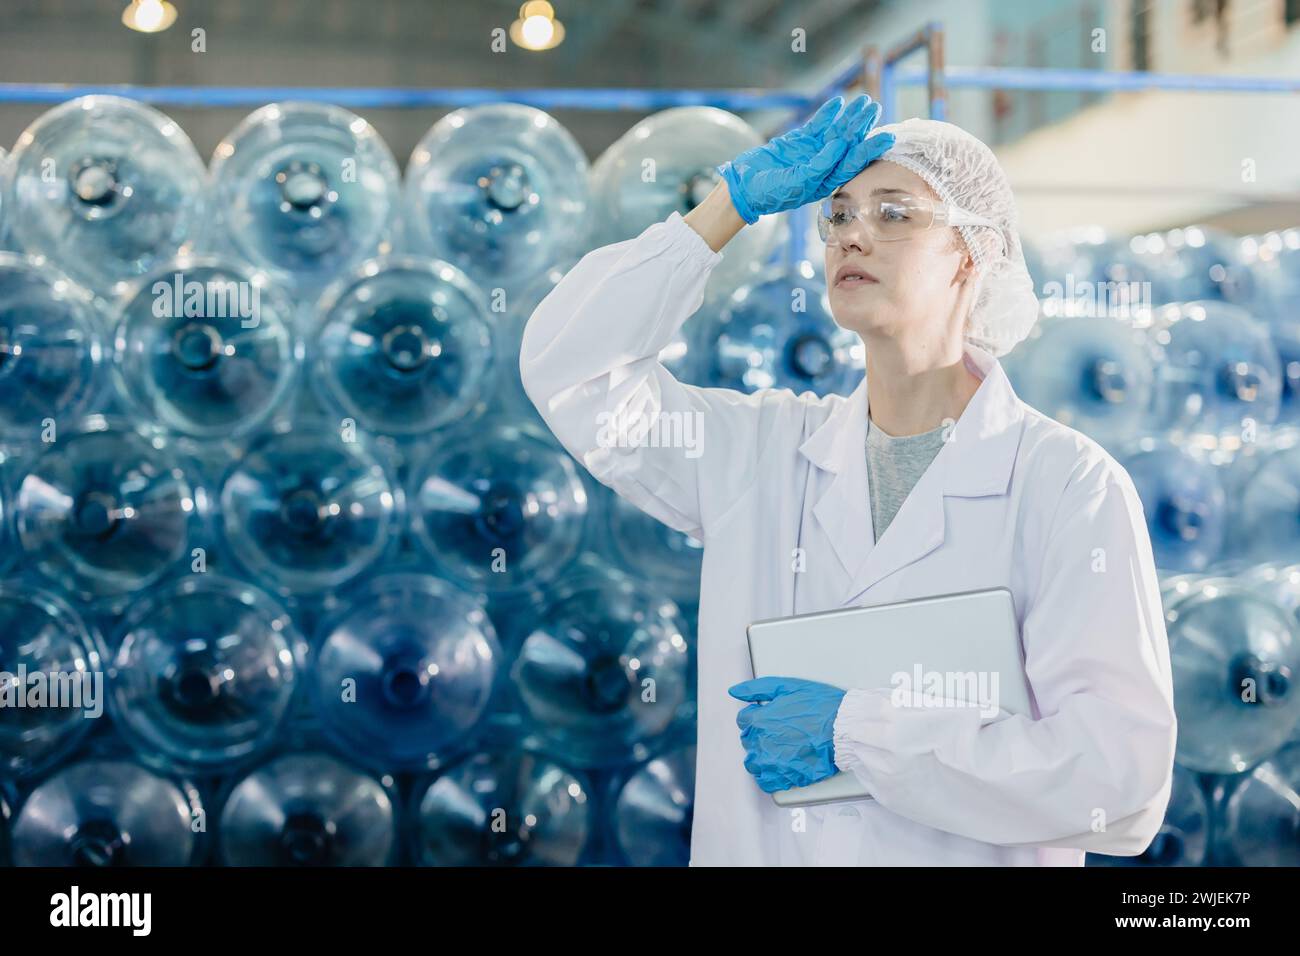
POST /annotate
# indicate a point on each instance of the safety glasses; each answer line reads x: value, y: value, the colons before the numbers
x: 894, y: 217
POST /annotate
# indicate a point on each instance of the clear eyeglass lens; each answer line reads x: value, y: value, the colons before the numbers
x: 897, y: 217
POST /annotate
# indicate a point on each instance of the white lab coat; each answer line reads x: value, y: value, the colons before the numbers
x: 1015, y: 499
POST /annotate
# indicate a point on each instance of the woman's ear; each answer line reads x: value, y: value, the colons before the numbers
x: 966, y: 270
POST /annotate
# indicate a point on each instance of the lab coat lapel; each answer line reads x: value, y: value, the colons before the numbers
x: 843, y: 511
x: 975, y: 461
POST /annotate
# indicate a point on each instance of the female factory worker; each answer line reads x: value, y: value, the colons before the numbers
x: 806, y: 503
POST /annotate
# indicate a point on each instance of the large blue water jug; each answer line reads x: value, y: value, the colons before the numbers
x: 1184, y: 501
x: 503, y: 808
x: 498, y: 510
x: 500, y: 191
x: 203, y: 672
x: 46, y: 641
x: 1274, y: 263
x: 1284, y: 329
x: 1087, y: 271
x: 1278, y: 581
x: 1184, y: 835
x: 653, y: 812
x: 665, y: 164
x: 107, y: 508
x: 1264, y: 504
x: 404, y: 346
x: 1235, y: 657
x: 104, y: 813
x: 206, y: 348
x: 52, y: 347
x: 668, y: 559
x: 307, y: 809
x: 511, y: 398
x: 1093, y: 373
x: 603, y: 667
x: 1218, y: 372
x: 106, y: 188
x: 306, y: 191
x: 1176, y: 586
x: 1273, y: 260
x: 311, y: 504
x: 779, y: 333
x: 405, y: 667
x: 1262, y: 816
x: 1195, y: 262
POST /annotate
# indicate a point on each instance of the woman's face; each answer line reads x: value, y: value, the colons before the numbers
x: 920, y: 282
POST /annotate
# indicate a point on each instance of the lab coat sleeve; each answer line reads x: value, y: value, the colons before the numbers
x: 1095, y: 771
x: 589, y: 361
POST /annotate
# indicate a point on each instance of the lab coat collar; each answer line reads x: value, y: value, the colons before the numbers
x: 976, y: 461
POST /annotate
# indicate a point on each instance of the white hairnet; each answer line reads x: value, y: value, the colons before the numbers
x: 964, y: 172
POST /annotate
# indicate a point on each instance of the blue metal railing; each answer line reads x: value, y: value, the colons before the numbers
x: 1025, y: 78
x: 395, y: 98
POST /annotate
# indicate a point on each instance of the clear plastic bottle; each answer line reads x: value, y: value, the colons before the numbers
x: 306, y: 192
x: 203, y: 672
x: 499, y: 191
x: 404, y: 669
x: 106, y: 188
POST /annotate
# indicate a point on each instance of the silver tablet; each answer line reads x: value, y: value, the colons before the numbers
x: 939, y: 651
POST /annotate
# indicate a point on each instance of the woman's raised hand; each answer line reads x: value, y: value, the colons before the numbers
x: 807, y: 163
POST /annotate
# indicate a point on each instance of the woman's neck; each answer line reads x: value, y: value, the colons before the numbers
x: 914, y: 390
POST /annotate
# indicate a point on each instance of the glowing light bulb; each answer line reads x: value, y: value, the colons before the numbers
x: 149, y: 16
x: 537, y: 32
x: 537, y: 29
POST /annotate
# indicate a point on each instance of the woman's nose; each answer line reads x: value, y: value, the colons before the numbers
x: 854, y: 239
x: 854, y: 235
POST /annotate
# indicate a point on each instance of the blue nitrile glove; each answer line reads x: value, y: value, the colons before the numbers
x: 788, y: 731
x: 807, y: 163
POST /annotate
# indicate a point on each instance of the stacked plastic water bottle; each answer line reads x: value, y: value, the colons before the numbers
x: 1180, y: 353
x: 268, y: 478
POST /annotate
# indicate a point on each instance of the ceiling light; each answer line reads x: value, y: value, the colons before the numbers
x: 537, y: 28
x: 149, y: 16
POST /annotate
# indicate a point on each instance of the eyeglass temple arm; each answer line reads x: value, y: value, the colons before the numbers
x: 960, y: 217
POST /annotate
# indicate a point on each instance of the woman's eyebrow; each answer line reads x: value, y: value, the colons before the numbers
x: 879, y: 191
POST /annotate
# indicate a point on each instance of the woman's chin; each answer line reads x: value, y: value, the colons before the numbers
x: 853, y: 320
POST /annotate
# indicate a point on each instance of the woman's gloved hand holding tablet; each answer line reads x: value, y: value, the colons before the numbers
x: 787, y: 730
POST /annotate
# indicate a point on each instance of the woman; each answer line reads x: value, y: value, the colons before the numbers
x: 795, y: 502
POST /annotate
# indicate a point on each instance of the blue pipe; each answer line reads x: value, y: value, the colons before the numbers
x: 389, y: 98
x: 1017, y: 78
x: 628, y: 99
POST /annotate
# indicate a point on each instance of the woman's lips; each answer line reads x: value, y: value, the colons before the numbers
x: 845, y: 276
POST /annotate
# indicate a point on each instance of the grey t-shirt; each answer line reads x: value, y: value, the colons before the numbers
x: 894, y: 464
